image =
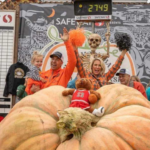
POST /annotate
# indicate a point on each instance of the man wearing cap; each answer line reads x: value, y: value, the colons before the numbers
x: 124, y: 77
x: 56, y: 75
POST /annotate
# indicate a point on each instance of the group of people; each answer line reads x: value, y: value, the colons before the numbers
x: 37, y: 80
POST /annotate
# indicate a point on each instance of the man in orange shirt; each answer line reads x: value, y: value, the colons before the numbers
x: 56, y: 75
x: 124, y: 77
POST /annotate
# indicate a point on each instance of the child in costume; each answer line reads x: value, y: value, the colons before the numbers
x: 34, y: 74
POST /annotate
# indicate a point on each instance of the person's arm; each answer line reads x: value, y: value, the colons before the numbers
x: 71, y: 59
x: 141, y: 88
x: 70, y: 53
x: 35, y: 88
x: 79, y: 64
x: 123, y: 53
x: 112, y: 71
x: 35, y: 74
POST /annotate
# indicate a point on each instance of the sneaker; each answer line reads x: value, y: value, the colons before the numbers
x: 98, y: 112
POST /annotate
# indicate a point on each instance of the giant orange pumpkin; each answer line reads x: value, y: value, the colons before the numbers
x: 31, y: 124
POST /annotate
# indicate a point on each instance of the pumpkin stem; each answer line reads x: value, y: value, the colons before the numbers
x: 74, y: 122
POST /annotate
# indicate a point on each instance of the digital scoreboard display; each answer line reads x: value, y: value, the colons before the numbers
x: 96, y: 10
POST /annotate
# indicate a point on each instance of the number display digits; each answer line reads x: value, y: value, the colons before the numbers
x: 93, y: 7
x: 98, y: 8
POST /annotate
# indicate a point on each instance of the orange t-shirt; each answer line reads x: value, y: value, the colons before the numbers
x: 61, y: 76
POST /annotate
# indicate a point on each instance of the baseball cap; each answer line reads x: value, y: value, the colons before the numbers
x: 123, y: 71
x: 57, y: 54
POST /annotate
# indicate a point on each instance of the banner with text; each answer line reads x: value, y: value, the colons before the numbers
x: 41, y: 24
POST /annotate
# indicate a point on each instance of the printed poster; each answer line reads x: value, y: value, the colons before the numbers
x: 41, y: 25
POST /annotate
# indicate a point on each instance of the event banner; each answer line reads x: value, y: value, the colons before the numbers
x: 41, y: 25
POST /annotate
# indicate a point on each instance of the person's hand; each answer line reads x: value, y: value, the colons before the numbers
x: 35, y: 88
x: 26, y: 80
x: 65, y: 35
x: 123, y: 52
x: 43, y: 80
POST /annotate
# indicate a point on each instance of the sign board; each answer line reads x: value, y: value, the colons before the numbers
x: 7, y: 39
x: 131, y: 19
x: 93, y: 10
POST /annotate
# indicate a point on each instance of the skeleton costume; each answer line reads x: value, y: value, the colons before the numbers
x: 123, y: 41
x: 86, y: 71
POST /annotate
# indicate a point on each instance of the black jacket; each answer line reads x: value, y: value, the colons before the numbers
x: 14, y: 78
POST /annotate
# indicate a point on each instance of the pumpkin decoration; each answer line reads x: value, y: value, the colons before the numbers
x: 33, y: 124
